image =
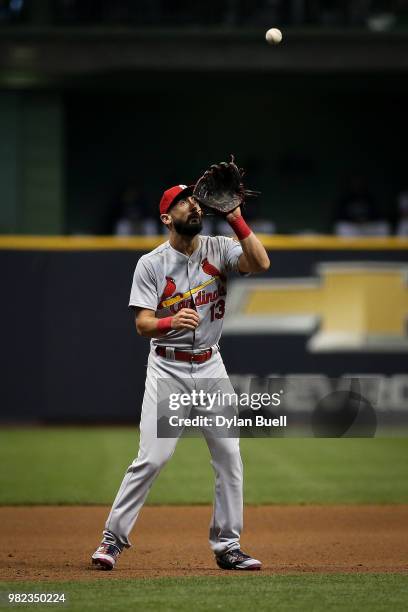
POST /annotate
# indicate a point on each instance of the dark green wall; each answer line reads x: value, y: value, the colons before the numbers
x: 9, y: 144
x: 31, y: 163
x: 166, y: 128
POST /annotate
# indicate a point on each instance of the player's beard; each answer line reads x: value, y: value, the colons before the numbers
x: 186, y: 228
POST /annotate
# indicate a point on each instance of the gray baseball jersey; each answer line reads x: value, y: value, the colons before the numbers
x: 166, y: 280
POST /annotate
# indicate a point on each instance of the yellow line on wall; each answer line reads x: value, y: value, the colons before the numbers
x: 79, y: 243
x: 112, y: 243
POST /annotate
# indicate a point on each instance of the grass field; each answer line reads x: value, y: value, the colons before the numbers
x: 79, y: 465
x: 85, y: 466
x: 352, y: 592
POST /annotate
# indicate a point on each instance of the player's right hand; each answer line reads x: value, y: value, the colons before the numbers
x: 186, y: 318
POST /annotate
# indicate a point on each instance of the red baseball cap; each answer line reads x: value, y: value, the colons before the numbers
x: 170, y: 196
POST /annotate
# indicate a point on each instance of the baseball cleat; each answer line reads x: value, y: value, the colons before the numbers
x: 237, y: 560
x: 105, y: 556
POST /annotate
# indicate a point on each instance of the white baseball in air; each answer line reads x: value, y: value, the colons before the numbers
x: 273, y: 36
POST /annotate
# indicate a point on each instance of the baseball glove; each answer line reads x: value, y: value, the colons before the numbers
x: 221, y: 189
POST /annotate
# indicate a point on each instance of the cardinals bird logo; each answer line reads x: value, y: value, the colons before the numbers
x: 168, y: 291
x: 211, y: 270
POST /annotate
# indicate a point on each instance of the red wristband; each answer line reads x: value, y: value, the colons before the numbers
x: 164, y: 325
x: 240, y: 227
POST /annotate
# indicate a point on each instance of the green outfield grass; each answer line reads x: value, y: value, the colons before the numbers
x: 351, y: 592
x: 85, y: 466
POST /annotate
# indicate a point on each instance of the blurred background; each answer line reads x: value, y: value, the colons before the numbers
x: 105, y: 104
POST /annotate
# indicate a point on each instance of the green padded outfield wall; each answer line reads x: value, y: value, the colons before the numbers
x: 64, y: 155
x: 31, y: 163
x: 9, y: 193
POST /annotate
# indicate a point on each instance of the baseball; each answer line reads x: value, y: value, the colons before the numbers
x: 273, y: 36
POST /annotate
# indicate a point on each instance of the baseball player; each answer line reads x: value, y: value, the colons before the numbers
x: 179, y: 297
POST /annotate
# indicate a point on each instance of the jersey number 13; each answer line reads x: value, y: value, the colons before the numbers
x: 217, y: 310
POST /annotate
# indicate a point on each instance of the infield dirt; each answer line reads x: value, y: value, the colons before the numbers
x: 56, y: 542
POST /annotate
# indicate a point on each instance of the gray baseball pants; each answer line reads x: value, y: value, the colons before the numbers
x: 154, y: 452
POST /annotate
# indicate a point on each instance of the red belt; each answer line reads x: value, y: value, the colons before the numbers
x: 185, y: 355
